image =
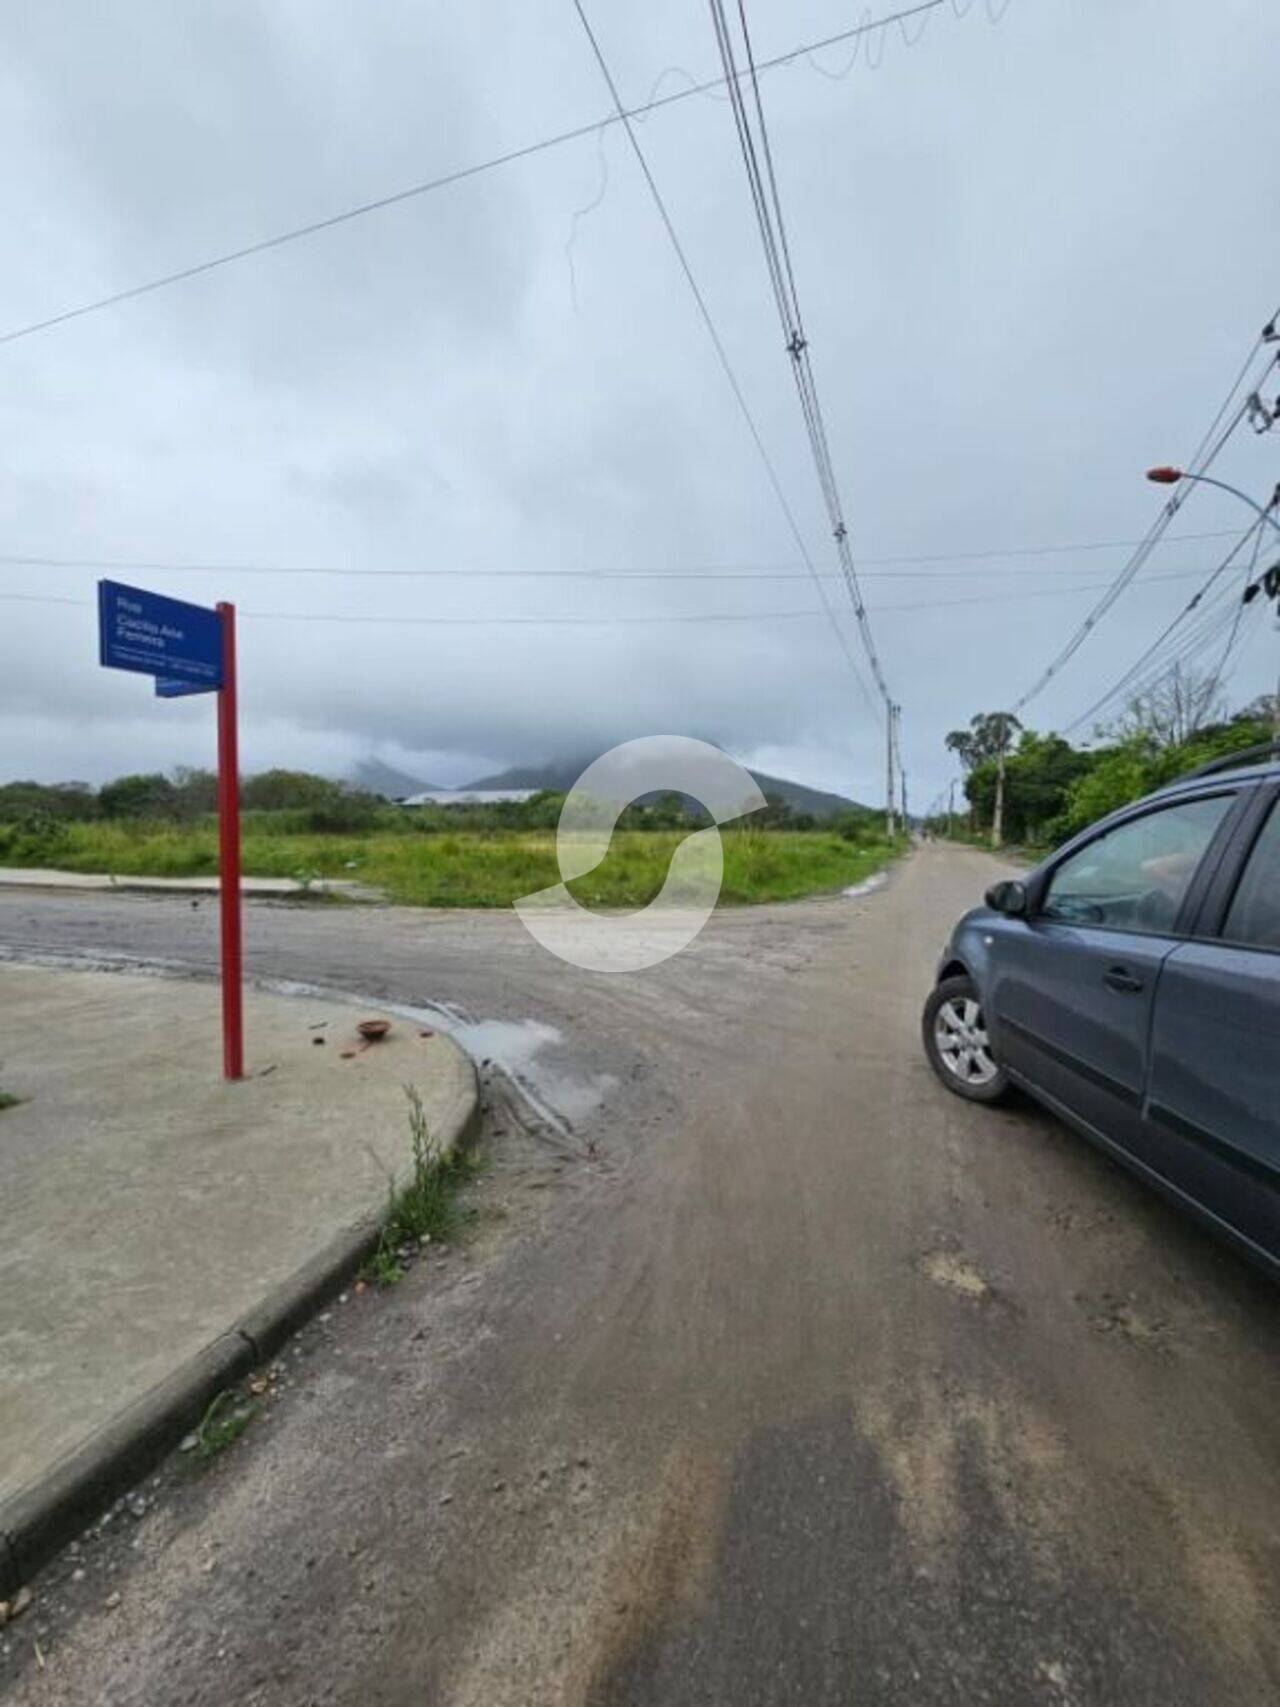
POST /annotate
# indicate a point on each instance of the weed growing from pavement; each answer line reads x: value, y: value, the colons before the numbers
x: 8, y: 1100
x: 427, y: 1207
x: 222, y: 1424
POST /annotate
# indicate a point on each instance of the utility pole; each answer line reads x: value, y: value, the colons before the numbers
x: 951, y: 808
x: 1269, y: 584
x: 889, y: 783
x: 902, y: 775
x: 997, y: 817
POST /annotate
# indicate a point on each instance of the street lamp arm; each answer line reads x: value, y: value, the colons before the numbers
x: 1170, y: 477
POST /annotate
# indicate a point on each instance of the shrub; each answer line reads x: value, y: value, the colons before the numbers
x: 349, y: 811
x: 149, y: 795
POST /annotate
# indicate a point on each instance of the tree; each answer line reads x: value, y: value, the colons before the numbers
x: 1053, y: 789
x: 1117, y: 775
x: 1039, y: 775
x: 195, y: 792
x: 1264, y: 709
x: 141, y: 796
x: 989, y: 734
x: 58, y: 800
x: 277, y: 790
x: 1172, y: 709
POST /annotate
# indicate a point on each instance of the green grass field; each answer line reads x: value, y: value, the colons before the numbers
x: 465, y: 869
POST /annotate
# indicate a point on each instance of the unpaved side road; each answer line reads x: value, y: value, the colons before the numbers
x: 772, y: 1374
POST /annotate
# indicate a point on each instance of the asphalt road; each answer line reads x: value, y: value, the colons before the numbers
x: 771, y: 1373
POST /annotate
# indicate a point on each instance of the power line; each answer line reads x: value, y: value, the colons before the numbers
x: 1206, y: 452
x: 693, y: 572
x: 1044, y: 550
x: 1007, y: 598
x: 366, y: 619
x: 1239, y: 613
x: 446, y: 179
x: 1129, y: 678
x: 1210, y: 615
x: 1171, y: 648
x: 623, y: 619
x: 763, y: 184
x: 762, y: 180
x: 1218, y: 633
x: 718, y: 343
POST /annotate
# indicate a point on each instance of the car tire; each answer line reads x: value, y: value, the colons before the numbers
x: 955, y: 1041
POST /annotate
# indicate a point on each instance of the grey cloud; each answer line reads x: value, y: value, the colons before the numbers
x: 1030, y: 257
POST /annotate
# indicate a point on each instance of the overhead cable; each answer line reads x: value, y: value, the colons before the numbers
x: 1193, y: 605
x: 757, y: 154
x: 1216, y: 436
x: 718, y: 344
x: 460, y: 175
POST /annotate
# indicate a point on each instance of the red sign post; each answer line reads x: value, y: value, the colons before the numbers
x: 191, y: 649
x: 229, y: 853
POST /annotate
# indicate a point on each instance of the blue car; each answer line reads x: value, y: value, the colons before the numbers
x: 1131, y: 983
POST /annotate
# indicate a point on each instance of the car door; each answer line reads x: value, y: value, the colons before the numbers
x: 1213, y: 1108
x: 1072, y: 986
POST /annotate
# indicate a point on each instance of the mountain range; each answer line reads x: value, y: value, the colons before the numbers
x: 385, y: 779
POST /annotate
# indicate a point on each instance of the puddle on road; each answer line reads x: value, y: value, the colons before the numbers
x: 515, y: 1047
x: 868, y: 886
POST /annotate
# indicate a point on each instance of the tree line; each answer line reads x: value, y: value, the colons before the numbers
x: 1052, y: 788
x: 303, y: 803
x: 181, y: 796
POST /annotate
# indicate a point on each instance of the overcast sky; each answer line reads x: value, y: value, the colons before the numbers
x: 1032, y: 253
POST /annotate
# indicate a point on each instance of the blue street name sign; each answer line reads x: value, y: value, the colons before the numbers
x: 167, y: 638
x: 166, y: 689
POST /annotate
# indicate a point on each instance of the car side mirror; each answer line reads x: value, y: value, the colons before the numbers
x: 1009, y: 897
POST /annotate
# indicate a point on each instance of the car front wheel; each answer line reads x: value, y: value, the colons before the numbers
x: 956, y: 1042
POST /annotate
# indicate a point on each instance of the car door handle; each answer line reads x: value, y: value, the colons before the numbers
x: 1120, y: 978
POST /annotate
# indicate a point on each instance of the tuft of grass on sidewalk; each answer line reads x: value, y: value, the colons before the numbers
x: 426, y: 1208
x: 8, y: 1100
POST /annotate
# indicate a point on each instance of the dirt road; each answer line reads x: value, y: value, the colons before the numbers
x: 772, y: 1373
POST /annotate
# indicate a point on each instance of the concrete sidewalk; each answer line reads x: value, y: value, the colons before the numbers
x: 159, y: 1227
x: 41, y: 877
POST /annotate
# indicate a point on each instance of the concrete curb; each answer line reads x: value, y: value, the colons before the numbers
x: 252, y: 888
x: 35, y: 1523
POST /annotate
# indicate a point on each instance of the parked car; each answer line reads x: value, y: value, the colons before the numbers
x: 1131, y: 983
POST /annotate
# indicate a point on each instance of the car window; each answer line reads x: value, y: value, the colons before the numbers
x: 1135, y: 876
x: 1254, y: 916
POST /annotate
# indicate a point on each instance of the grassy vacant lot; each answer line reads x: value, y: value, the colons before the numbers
x: 458, y: 869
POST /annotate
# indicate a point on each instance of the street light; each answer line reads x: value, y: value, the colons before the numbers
x: 1168, y: 476
x: 1270, y: 584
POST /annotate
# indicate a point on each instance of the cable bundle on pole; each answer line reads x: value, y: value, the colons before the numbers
x: 1212, y: 620
x: 1215, y: 437
x: 757, y: 155
x: 718, y: 344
